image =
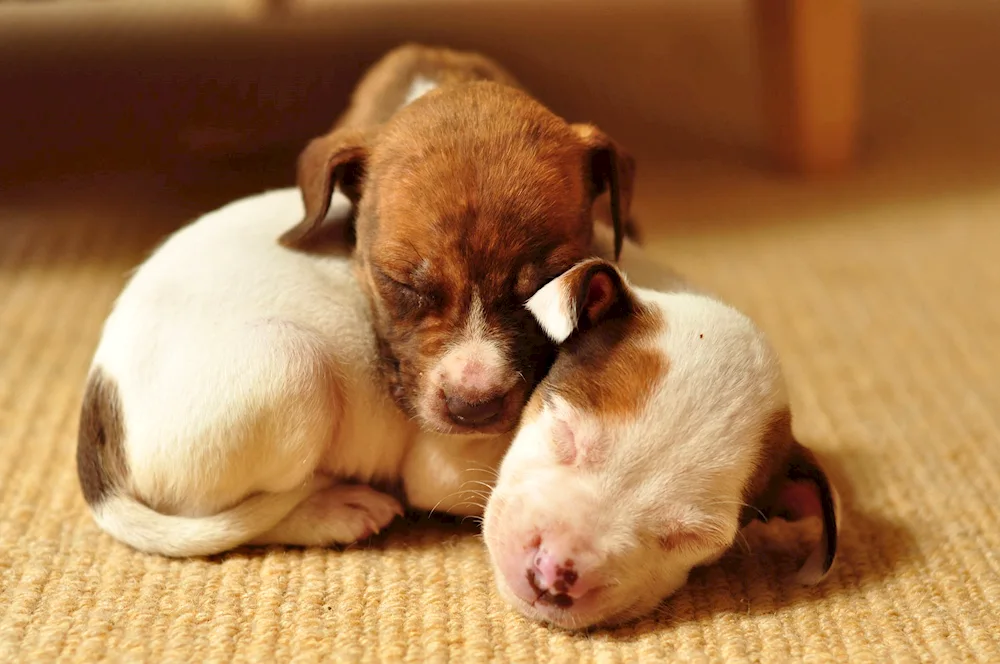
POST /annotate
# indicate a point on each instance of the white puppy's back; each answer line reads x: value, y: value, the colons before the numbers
x: 239, y: 367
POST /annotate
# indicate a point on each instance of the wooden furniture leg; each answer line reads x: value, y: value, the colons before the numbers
x: 810, y: 52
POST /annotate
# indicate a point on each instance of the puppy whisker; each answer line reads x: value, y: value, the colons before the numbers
x: 453, y: 494
x: 739, y: 503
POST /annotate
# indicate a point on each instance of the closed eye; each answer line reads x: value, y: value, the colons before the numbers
x: 397, y: 283
x: 419, y: 295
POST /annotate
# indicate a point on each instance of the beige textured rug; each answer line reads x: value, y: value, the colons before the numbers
x: 886, y: 313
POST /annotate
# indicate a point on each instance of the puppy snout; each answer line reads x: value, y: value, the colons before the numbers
x: 473, y: 391
x: 477, y: 410
x: 475, y: 377
x: 559, y: 579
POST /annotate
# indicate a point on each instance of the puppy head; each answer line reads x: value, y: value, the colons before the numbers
x: 468, y: 200
x: 661, y: 429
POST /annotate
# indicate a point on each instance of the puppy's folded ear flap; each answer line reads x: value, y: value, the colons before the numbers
x: 798, y: 488
x: 328, y: 163
x: 591, y: 291
x: 609, y: 168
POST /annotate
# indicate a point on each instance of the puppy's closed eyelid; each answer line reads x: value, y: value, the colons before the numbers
x: 415, y: 296
x: 397, y: 280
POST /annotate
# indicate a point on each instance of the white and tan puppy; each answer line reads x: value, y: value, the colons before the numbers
x: 661, y: 430
x: 235, y: 390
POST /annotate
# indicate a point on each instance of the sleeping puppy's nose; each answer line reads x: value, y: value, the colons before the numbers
x: 559, y: 579
x: 473, y: 392
x: 473, y: 412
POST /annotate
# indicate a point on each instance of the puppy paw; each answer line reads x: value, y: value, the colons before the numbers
x: 340, y: 514
x: 357, y: 512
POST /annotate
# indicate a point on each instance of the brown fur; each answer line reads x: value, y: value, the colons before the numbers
x: 100, y: 450
x: 789, y: 483
x: 473, y: 187
x: 612, y: 368
x: 472, y: 233
x: 776, y: 445
x: 386, y: 84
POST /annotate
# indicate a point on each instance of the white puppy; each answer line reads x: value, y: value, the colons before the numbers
x: 236, y: 387
x: 660, y: 431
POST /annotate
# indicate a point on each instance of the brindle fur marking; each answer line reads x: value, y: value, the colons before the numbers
x: 100, y: 449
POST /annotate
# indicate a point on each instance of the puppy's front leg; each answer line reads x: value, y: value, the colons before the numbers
x: 446, y: 474
x: 340, y: 514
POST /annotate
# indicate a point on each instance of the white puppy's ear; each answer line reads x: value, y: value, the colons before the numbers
x: 797, y: 487
x: 589, y: 292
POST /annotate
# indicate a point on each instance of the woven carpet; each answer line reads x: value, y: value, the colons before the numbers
x: 886, y: 314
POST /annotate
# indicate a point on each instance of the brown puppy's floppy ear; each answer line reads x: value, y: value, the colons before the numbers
x: 792, y: 485
x: 589, y: 292
x: 335, y: 160
x: 609, y: 168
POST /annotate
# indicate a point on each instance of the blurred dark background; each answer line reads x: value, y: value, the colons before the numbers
x: 99, y: 86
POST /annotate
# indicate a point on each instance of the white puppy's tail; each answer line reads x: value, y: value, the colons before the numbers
x: 103, y: 472
x: 145, y: 529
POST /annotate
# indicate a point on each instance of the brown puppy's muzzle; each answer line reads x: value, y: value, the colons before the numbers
x: 473, y: 412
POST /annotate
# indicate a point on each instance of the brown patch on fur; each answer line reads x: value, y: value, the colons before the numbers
x: 612, y: 369
x: 610, y: 363
x: 100, y: 449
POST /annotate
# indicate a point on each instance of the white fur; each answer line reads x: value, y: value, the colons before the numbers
x: 420, y: 86
x: 554, y: 312
x: 476, y: 364
x: 673, y: 470
x: 248, y: 382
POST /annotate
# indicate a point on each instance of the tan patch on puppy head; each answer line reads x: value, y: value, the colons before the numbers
x: 609, y: 360
x: 100, y: 450
x: 613, y: 368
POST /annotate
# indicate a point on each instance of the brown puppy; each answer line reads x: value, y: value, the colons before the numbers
x: 468, y: 196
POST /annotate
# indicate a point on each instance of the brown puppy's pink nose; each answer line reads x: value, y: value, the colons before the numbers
x: 473, y: 412
x: 557, y: 580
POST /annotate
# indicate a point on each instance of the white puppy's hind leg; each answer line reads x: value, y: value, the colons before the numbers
x: 341, y: 514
